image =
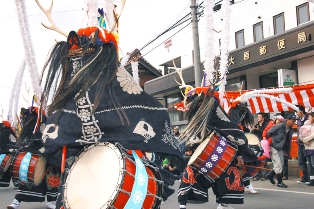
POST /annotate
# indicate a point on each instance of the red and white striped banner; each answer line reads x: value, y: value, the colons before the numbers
x: 300, y: 95
x: 270, y: 102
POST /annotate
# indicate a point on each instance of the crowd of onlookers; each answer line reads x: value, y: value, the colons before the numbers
x: 278, y: 134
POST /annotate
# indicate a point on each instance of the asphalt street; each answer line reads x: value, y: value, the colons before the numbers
x: 296, y: 196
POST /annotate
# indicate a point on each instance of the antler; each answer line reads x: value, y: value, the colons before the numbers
x: 117, y: 16
x: 48, y: 14
x: 182, y: 84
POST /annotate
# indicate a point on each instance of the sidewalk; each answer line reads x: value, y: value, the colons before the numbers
x: 293, y: 168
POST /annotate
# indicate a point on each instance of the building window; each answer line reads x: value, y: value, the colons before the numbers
x: 258, y: 31
x: 174, y: 115
x: 303, y: 14
x: 269, y: 80
x: 279, y: 24
x: 236, y: 84
x: 173, y: 99
x: 239, y: 36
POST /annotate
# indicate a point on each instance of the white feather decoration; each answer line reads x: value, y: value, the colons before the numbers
x: 225, y: 41
x: 15, y: 94
x: 209, y: 42
x: 28, y: 46
x: 135, y: 71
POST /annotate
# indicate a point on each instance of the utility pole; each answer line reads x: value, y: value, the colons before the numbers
x: 196, y: 44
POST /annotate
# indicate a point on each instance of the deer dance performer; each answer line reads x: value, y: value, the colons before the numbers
x: 7, y: 149
x: 214, y: 163
x: 37, y: 179
x: 99, y: 112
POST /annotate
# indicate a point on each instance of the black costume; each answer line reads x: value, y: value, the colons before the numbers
x: 228, y: 188
x: 7, y: 146
x: 30, y: 141
x: 98, y: 101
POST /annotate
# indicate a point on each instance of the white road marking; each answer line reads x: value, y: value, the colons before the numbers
x: 285, y: 191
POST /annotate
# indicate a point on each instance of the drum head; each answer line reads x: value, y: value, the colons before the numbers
x: 40, y: 170
x: 199, y: 149
x: 94, y: 179
x: 8, y: 163
x: 252, y: 139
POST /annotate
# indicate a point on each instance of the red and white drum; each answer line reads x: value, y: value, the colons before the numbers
x: 5, y: 161
x: 102, y: 176
x: 29, y: 168
x: 213, y: 156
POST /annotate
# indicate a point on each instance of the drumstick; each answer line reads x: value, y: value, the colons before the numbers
x: 251, y: 166
x: 64, y: 154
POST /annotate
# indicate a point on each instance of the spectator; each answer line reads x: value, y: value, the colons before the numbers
x: 282, y: 135
x: 271, y: 123
x: 258, y: 131
x: 306, y: 134
x: 259, y: 127
x: 176, y: 132
x: 167, y: 165
x: 302, y: 117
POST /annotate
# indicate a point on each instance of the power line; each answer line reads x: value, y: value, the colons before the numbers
x: 42, y: 14
x: 167, y: 38
x: 181, y: 21
x: 187, y: 17
x: 200, y: 14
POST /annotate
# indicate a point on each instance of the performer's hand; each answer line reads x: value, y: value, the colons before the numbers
x: 188, y: 153
x: 240, y: 161
x: 307, y: 143
x: 171, y: 168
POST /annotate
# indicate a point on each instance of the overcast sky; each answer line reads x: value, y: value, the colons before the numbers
x: 140, y: 22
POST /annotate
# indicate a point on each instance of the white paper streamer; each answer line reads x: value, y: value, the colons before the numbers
x: 209, y: 42
x: 246, y: 96
x: 15, y: 94
x: 277, y: 100
x: 109, y: 13
x: 225, y: 41
x: 92, y: 12
x: 28, y: 46
x: 311, y: 1
x: 125, y: 59
x: 135, y: 71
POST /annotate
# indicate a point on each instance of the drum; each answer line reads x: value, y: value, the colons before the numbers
x: 252, y: 139
x: 103, y: 175
x: 5, y: 161
x: 28, y: 167
x: 254, y: 144
x: 213, y: 156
